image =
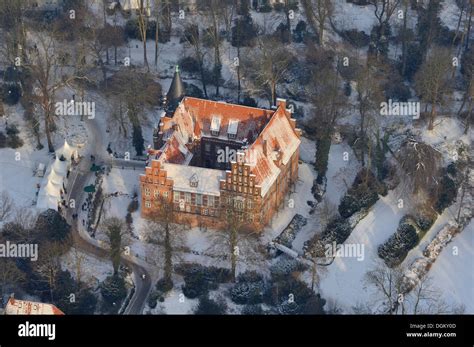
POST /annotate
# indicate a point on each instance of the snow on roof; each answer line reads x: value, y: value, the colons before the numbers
x: 197, y: 115
x: 271, y: 129
x: 278, y: 136
x: 22, y: 307
x: 175, y: 151
x: 208, y: 179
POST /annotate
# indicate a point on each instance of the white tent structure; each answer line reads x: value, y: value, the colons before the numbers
x: 55, y: 180
x: 60, y: 167
x: 67, y: 151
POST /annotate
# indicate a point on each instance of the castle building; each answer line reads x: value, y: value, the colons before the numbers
x: 210, y: 157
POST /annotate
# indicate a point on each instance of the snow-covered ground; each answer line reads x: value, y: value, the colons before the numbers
x: 453, y: 271
x: 344, y: 281
x: 85, y: 267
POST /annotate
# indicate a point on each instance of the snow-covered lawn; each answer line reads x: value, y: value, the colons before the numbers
x: 344, y: 281
x: 90, y: 269
x: 453, y: 271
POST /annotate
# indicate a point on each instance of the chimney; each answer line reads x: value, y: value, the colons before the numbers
x: 264, y: 145
x: 281, y: 102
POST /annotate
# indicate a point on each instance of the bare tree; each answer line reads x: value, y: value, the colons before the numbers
x: 213, y: 15
x: 383, y: 11
x: 433, y: 79
x: 396, y: 296
x: 329, y: 102
x: 6, y: 206
x: 142, y: 13
x: 369, y: 97
x: 164, y: 228
x: 267, y: 66
x: 320, y: 12
x: 387, y: 284
x: 419, y: 164
x: 49, y: 263
x: 235, y: 240
x: 46, y: 68
x: 10, y: 276
x: 193, y: 38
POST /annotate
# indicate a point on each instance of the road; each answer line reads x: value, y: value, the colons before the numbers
x: 79, y: 178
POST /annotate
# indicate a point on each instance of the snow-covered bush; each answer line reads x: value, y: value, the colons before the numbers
x: 356, y: 38
x: 252, y: 310
x: 209, y: 306
x: 244, y: 293
x: 113, y: 290
x: 163, y: 285
x: 249, y: 288
x: 285, y: 266
x: 337, y: 230
x: 200, y: 279
x: 288, y: 235
x: 446, y: 193
x: 363, y: 193
x: 396, y: 248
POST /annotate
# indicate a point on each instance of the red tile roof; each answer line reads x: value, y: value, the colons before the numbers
x: 261, y: 127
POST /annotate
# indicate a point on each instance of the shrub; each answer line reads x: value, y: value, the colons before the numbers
x: 3, y: 140
x: 281, y: 291
x: 300, y: 32
x: 356, y: 38
x: 446, y: 193
x: 396, y: 248
x: 286, y: 266
x: 189, y: 64
x: 12, y: 130
x: 209, y: 306
x: 133, y: 206
x: 337, y: 230
x: 11, y: 94
x: 153, y: 299
x: 200, y: 279
x: 362, y: 194
x: 249, y: 101
x: 193, y: 90
x: 113, y: 289
x: 348, y: 206
x: 163, y: 285
x: 249, y: 288
x: 131, y: 29
x: 252, y: 310
x: 14, y: 141
x: 244, y: 32
x: 244, y: 293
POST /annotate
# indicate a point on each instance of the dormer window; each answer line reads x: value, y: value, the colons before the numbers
x: 215, y: 126
x: 232, y: 128
x: 193, y: 181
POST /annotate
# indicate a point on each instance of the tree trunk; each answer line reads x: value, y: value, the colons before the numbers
x: 432, y: 117
x: 145, y: 59
x: 404, y: 42
x: 47, y: 130
x: 168, y: 256
x: 238, y: 75
x: 157, y: 31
